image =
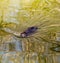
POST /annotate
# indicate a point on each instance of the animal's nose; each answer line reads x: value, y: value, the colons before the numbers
x: 22, y: 35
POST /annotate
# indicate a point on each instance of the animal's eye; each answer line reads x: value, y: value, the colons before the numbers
x: 32, y: 27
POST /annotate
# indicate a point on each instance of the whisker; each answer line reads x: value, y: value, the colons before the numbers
x: 37, y: 39
x: 29, y: 43
x: 34, y: 39
x: 39, y: 25
x: 41, y: 18
x: 27, y: 40
x: 55, y: 25
x: 45, y: 40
